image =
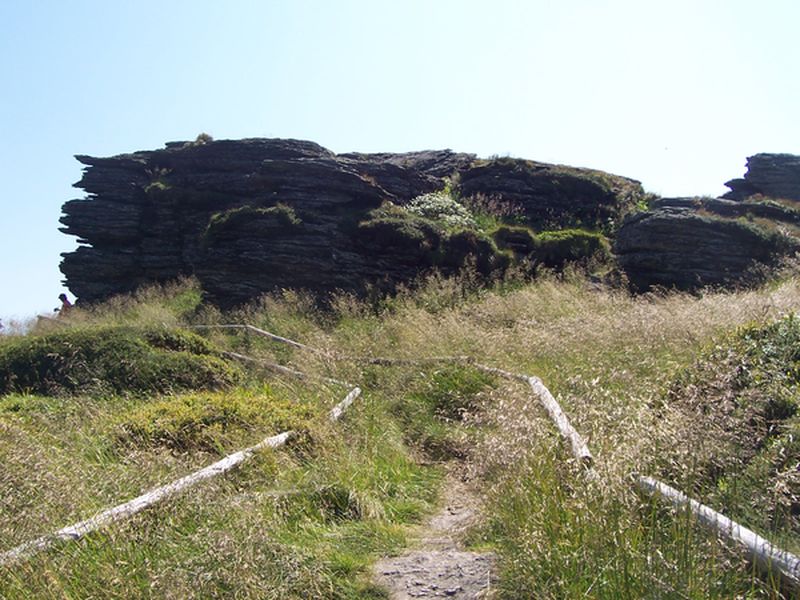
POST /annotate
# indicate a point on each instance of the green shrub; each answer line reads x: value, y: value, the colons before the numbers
x: 112, y: 359
x: 461, y: 245
x: 207, y: 420
x: 556, y: 248
x: 741, y: 399
x: 392, y: 228
x: 202, y: 139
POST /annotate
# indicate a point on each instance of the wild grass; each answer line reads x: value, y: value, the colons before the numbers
x: 610, y: 359
x: 309, y: 520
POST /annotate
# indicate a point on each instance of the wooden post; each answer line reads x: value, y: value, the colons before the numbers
x: 579, y: 448
x: 130, y: 508
x: 337, y: 411
x: 767, y: 557
x: 282, y: 369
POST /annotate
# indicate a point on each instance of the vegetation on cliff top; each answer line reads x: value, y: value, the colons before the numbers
x: 437, y: 230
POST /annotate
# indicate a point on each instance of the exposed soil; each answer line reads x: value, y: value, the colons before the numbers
x: 438, y: 567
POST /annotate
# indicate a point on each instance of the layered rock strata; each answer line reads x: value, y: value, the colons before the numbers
x: 689, y: 243
x: 250, y: 216
x: 770, y: 175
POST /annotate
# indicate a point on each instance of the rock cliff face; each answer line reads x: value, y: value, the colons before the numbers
x: 249, y: 216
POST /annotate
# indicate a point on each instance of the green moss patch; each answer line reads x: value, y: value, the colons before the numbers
x: 556, y: 248
x: 275, y: 219
x: 112, y: 360
x: 211, y: 420
x: 553, y: 249
x: 520, y: 240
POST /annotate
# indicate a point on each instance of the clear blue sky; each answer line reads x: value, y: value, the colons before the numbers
x: 674, y: 93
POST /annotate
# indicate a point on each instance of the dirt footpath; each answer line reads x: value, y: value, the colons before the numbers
x: 438, y: 568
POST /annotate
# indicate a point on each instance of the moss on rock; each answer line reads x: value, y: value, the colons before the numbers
x: 557, y: 248
x: 278, y: 218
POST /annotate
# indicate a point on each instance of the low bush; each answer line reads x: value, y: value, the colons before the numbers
x: 556, y: 248
x: 442, y: 208
x: 461, y: 245
x: 426, y: 242
x: 112, y: 359
x: 416, y: 238
x: 741, y: 399
x: 210, y: 420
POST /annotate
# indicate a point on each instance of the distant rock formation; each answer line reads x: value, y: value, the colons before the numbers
x: 250, y: 216
x: 688, y: 243
x: 770, y: 175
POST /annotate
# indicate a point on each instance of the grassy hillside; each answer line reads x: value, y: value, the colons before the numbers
x: 700, y: 391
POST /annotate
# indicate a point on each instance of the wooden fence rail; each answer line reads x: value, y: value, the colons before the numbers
x: 767, y: 557
x: 578, y: 446
x: 156, y: 495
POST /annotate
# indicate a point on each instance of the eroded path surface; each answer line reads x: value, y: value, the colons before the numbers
x: 438, y: 568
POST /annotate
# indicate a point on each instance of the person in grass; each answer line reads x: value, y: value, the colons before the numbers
x: 66, y: 305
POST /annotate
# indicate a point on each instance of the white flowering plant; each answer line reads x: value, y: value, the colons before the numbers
x: 443, y: 208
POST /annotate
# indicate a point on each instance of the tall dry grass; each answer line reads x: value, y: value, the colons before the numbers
x: 607, y: 356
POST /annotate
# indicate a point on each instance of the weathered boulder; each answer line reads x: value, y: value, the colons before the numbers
x: 250, y: 216
x: 688, y: 243
x: 770, y: 175
x: 548, y: 196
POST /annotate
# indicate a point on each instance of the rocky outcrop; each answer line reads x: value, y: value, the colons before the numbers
x: 770, y: 175
x: 250, y: 216
x: 548, y: 196
x: 688, y: 243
